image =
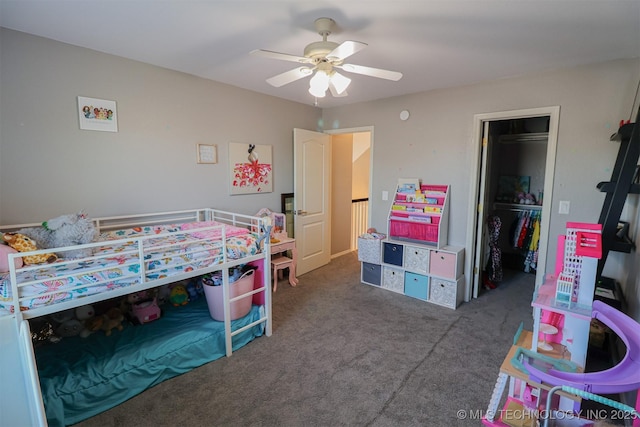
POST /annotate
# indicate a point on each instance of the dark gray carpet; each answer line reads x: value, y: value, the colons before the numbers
x: 347, y: 354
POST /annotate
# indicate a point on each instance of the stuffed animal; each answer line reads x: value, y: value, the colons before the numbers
x: 69, y: 328
x: 23, y: 243
x: 195, y: 289
x: 112, y: 319
x: 179, y: 296
x: 164, y: 293
x: 85, y: 315
x: 65, y: 230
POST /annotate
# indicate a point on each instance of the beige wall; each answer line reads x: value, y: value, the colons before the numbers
x: 341, y: 183
x: 48, y: 166
x: 435, y: 144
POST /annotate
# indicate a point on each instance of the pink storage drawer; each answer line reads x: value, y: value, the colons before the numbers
x: 443, y: 264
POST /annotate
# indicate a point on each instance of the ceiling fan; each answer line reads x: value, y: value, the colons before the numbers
x: 324, y: 57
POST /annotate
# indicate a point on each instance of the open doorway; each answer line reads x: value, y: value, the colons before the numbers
x: 323, y: 192
x: 351, y: 169
x: 512, y: 185
x: 350, y: 188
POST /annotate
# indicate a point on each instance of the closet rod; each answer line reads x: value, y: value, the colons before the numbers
x: 513, y: 207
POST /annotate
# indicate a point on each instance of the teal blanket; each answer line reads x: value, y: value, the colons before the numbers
x: 81, y: 377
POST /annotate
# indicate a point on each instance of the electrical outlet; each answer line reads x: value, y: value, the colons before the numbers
x: 564, y: 207
x: 385, y: 195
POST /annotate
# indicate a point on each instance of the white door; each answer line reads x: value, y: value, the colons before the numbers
x: 481, y: 241
x: 311, y: 201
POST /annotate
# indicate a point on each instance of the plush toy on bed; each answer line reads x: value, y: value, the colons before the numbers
x: 179, y: 295
x: 85, y: 315
x: 195, y: 289
x: 112, y: 319
x: 65, y: 230
x: 23, y: 243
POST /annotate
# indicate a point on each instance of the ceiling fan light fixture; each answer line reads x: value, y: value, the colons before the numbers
x: 319, y: 84
x: 340, y: 82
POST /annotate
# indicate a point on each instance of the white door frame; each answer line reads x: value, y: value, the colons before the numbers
x: 476, y: 156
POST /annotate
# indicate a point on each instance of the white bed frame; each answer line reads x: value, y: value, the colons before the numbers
x: 20, y: 397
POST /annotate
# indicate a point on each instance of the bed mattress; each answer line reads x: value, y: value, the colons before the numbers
x: 82, y: 377
x: 168, y: 250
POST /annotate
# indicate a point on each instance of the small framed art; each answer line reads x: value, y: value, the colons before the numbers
x: 97, y: 114
x: 207, y: 154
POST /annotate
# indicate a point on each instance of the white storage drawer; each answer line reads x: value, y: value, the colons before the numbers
x: 416, y: 259
x: 369, y: 250
x: 447, y: 293
x: 393, y: 279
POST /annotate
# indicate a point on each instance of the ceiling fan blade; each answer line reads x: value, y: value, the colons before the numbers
x: 334, y: 91
x: 346, y: 49
x: 282, y: 56
x: 289, y: 76
x: 370, y: 71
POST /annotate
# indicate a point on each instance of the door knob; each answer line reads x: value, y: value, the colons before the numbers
x: 300, y: 212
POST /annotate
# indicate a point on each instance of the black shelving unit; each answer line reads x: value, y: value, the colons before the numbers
x: 624, y: 181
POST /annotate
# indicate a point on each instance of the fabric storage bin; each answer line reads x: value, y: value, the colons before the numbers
x: 416, y: 259
x: 371, y: 273
x: 369, y: 250
x: 445, y: 292
x: 405, y: 229
x: 416, y: 286
x: 444, y: 264
x: 392, y: 253
x: 393, y: 279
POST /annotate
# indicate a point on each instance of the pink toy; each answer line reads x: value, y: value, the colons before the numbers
x: 623, y: 377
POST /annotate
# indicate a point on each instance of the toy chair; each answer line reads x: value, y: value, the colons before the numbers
x: 279, y: 263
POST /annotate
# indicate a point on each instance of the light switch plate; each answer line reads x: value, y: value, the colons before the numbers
x: 564, y: 207
x: 385, y: 195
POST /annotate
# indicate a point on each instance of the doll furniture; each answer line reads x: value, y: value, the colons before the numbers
x: 281, y: 245
x: 281, y: 261
x: 65, y: 383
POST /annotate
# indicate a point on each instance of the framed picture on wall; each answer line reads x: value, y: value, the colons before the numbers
x: 97, y: 114
x: 250, y: 168
x: 207, y: 154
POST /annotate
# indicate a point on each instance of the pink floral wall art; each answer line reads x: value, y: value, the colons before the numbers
x: 251, y: 168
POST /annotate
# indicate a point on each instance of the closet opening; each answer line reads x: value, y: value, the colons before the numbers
x: 513, y: 185
x: 515, y: 195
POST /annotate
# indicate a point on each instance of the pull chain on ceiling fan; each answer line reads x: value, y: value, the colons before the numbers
x: 324, y: 57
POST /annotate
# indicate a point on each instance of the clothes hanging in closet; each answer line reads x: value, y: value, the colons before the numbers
x: 525, y: 235
x: 494, y: 268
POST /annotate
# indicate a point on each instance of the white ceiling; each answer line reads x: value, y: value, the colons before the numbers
x: 435, y: 44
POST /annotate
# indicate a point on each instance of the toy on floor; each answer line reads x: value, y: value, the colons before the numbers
x: 23, y: 243
x: 65, y: 230
x: 623, y: 377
